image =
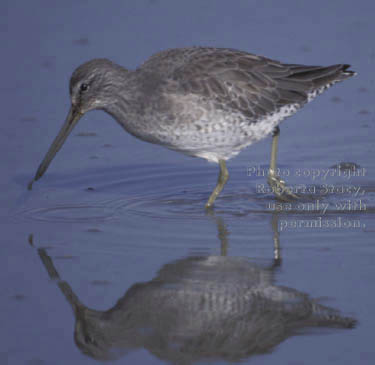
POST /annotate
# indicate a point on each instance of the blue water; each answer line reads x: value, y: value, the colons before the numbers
x: 112, y: 211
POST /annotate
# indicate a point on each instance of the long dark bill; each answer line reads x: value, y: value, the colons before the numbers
x: 71, y: 120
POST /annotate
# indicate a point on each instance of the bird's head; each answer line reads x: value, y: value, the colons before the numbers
x: 93, y: 85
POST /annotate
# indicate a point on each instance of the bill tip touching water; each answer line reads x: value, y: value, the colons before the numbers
x: 201, y: 101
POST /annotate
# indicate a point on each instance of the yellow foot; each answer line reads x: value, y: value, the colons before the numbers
x: 280, y: 189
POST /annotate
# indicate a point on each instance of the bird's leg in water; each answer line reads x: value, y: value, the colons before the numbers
x: 279, y: 187
x: 221, y: 181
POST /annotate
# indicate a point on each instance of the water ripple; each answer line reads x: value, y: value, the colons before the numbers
x: 167, y: 192
x: 70, y: 213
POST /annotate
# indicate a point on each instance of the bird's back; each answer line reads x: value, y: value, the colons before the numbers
x: 215, y: 101
x: 255, y: 72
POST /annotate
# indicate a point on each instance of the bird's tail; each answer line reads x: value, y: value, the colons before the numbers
x: 321, y: 76
x: 329, y: 317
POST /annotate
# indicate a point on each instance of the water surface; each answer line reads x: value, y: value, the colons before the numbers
x: 114, y: 216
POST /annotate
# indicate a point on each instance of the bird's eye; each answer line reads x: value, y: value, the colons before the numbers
x: 84, y: 87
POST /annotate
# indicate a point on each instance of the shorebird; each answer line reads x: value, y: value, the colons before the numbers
x: 201, y: 101
x: 197, y: 309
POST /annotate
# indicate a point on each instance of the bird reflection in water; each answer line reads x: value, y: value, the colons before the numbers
x: 199, y: 308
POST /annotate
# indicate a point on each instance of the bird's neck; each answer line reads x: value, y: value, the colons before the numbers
x: 124, y: 96
x: 126, y: 104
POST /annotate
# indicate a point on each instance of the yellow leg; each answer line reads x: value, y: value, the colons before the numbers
x: 221, y: 181
x: 278, y: 186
